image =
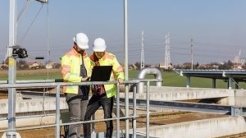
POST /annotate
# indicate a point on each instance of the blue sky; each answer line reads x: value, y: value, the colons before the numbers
x: 217, y: 27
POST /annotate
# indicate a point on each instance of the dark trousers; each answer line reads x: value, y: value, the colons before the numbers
x: 77, y: 108
x: 94, y: 103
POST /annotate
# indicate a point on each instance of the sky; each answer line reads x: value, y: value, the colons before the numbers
x: 217, y: 28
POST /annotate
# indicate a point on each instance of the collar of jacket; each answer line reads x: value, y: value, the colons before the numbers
x: 93, y: 56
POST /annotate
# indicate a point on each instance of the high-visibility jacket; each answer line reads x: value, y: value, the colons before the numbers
x: 70, y: 69
x: 117, y: 71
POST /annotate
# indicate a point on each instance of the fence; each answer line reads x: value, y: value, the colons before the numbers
x: 58, y: 123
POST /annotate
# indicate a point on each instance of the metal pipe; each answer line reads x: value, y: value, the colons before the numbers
x: 144, y: 72
x: 187, y: 81
x: 118, y: 111
x: 57, y: 111
x: 147, y: 110
x: 134, y: 110
x: 11, y: 133
x: 126, y: 67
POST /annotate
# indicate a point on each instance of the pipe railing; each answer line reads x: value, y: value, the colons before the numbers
x: 58, y: 85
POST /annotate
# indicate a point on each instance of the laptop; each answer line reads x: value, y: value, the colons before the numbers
x: 101, y: 73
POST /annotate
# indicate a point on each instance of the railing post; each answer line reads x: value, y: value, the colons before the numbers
x: 58, y: 111
x: 147, y: 110
x: 134, y: 110
x: 118, y: 111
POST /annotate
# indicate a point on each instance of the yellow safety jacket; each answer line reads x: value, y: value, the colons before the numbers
x: 117, y: 71
x: 70, y: 69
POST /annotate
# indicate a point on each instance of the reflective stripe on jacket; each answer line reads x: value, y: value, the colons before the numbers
x: 70, y: 69
x: 117, y: 71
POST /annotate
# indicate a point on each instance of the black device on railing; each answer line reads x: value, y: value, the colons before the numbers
x: 19, y: 52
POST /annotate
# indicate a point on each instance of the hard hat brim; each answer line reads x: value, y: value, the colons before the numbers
x: 99, y: 49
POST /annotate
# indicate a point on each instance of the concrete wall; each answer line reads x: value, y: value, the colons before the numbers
x: 29, y: 122
x: 32, y: 105
x: 239, y: 98
x: 181, y: 93
x: 208, y: 128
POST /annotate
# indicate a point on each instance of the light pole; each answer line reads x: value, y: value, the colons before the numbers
x: 125, y: 3
x: 11, y: 132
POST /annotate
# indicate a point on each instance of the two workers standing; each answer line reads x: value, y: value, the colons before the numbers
x: 76, y: 66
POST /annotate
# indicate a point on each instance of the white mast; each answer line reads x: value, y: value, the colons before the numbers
x: 142, y: 52
x: 167, y: 52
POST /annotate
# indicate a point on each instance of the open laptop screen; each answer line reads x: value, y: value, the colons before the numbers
x: 101, y: 73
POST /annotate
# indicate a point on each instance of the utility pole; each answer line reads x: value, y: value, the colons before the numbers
x: 11, y: 132
x: 142, y: 64
x: 191, y: 49
x: 11, y: 57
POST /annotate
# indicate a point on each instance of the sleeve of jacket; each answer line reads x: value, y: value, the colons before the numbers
x: 67, y: 75
x: 118, y: 69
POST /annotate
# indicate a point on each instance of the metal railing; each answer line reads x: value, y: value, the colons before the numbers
x: 58, y: 123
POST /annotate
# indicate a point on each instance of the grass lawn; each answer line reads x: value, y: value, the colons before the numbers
x: 169, y: 78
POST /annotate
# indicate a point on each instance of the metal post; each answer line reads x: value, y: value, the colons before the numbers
x: 147, y: 110
x: 213, y: 83
x: 230, y: 82
x: 134, y: 111
x: 187, y: 81
x: 11, y: 133
x: 126, y: 70
x: 118, y: 111
x: 58, y: 111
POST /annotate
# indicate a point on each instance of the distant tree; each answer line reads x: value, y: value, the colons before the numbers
x: 21, y: 64
x: 196, y: 65
x: 147, y: 65
x: 226, y: 65
x: 230, y: 64
x: 244, y: 66
x: 137, y: 64
x: 177, y: 66
x: 57, y: 65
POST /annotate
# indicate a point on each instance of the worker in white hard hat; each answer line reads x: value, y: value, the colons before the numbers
x: 76, y: 67
x: 103, y: 95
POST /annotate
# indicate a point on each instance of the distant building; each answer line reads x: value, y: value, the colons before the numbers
x: 162, y: 65
x: 3, y: 66
x: 49, y: 65
x: 33, y: 65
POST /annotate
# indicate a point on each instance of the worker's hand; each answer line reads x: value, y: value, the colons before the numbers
x: 85, y: 79
x: 120, y: 81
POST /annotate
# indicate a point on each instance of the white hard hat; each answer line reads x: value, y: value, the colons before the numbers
x: 99, y: 45
x: 81, y: 40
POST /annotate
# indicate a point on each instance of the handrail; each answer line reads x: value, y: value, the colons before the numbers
x: 58, y: 85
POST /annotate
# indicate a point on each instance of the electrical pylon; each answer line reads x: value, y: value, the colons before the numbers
x: 142, y: 64
x: 167, y: 52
